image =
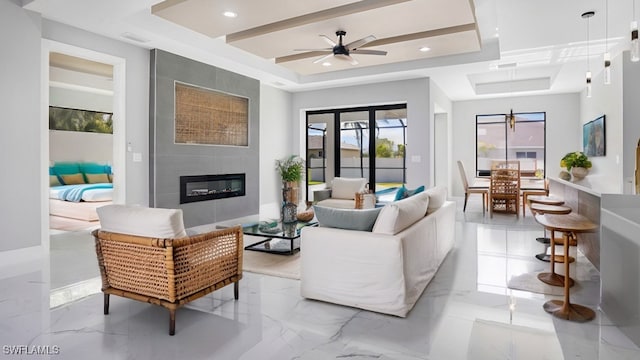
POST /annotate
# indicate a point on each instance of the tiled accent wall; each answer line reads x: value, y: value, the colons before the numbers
x: 168, y: 160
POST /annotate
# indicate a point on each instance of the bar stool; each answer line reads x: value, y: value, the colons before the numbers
x: 569, y: 225
x: 546, y: 200
x: 539, y: 208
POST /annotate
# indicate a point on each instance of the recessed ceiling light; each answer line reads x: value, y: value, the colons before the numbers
x: 326, y: 63
x: 425, y: 49
x: 230, y: 14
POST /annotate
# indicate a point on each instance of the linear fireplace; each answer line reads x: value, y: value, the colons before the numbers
x: 211, y: 187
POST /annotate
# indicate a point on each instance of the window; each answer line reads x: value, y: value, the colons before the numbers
x: 525, y: 141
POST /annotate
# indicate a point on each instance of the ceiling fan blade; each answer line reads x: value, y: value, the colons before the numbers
x: 351, y: 60
x: 369, y: 52
x: 321, y: 59
x: 328, y: 40
x: 317, y: 50
x: 356, y: 44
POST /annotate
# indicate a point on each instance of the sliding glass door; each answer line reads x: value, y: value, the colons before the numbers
x: 365, y: 142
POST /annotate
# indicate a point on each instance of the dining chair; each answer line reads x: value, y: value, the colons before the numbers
x: 504, y: 188
x: 484, y: 190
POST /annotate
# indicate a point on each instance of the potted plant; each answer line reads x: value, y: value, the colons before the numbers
x: 291, y: 170
x: 577, y: 163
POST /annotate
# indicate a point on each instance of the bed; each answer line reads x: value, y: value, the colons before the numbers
x: 78, y: 189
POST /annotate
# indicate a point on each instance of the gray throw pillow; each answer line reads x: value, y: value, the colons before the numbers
x: 348, y: 219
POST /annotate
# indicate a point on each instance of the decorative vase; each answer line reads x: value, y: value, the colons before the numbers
x: 564, y: 175
x: 579, y: 172
x: 289, y: 201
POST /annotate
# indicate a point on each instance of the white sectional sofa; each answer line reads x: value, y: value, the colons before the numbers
x: 385, y: 270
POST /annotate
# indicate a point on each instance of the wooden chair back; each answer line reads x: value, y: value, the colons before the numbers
x: 504, y: 188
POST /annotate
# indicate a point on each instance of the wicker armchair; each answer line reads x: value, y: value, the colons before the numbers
x: 169, y: 272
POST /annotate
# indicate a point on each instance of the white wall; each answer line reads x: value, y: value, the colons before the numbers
x: 563, y: 128
x: 82, y: 100
x: 606, y: 175
x: 441, y: 104
x: 631, y: 127
x: 276, y: 133
x: 80, y: 146
x: 20, y: 137
x: 415, y: 93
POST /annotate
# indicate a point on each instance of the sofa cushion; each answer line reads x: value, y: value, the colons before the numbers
x: 349, y: 219
x: 437, y: 197
x: 399, y: 215
x: 142, y: 221
x: 346, y: 188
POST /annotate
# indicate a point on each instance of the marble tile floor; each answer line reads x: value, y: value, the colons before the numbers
x: 466, y: 312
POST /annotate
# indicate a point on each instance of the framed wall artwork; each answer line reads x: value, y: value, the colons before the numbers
x: 593, y: 137
x: 209, y: 117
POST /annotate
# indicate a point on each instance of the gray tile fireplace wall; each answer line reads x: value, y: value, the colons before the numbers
x: 168, y: 160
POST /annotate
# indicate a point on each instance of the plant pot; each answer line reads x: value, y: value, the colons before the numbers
x: 579, y: 172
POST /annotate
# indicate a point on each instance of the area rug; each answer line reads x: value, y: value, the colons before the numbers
x: 529, y: 282
x: 582, y: 271
x: 286, y: 266
x: 495, y: 340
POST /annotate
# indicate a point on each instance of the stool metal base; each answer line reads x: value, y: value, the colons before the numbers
x: 543, y: 257
x: 554, y: 279
x: 543, y: 240
x: 573, y: 312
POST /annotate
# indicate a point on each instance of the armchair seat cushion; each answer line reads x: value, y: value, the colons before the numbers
x: 337, y: 203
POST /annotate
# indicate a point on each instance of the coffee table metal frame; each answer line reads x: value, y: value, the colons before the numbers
x: 290, y: 232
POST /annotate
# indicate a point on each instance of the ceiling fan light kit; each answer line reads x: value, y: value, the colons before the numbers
x: 587, y: 15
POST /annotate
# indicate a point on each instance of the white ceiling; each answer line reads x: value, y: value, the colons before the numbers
x: 544, y: 39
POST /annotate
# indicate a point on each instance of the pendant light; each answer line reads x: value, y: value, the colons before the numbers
x: 587, y: 15
x: 607, y: 57
x: 634, y: 49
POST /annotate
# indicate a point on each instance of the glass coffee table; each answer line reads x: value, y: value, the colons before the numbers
x: 280, y: 238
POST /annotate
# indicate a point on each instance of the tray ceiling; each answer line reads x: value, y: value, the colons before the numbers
x: 401, y: 28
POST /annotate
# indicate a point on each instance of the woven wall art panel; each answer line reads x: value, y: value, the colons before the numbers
x: 209, y: 117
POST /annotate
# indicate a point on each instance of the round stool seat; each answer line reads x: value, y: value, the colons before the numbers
x: 542, y: 208
x: 548, y: 200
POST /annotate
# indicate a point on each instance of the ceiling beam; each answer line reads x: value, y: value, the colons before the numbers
x: 390, y: 40
x: 310, y: 18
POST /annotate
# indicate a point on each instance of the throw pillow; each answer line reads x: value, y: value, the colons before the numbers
x: 346, y: 188
x: 399, y: 215
x: 73, y: 179
x: 437, y: 197
x: 404, y: 193
x: 54, y: 181
x: 97, y: 178
x: 348, y: 219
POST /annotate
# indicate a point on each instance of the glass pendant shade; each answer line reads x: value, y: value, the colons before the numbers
x: 588, y: 84
x: 607, y: 68
x: 635, y: 45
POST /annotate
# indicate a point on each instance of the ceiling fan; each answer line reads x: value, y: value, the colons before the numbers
x: 344, y: 52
